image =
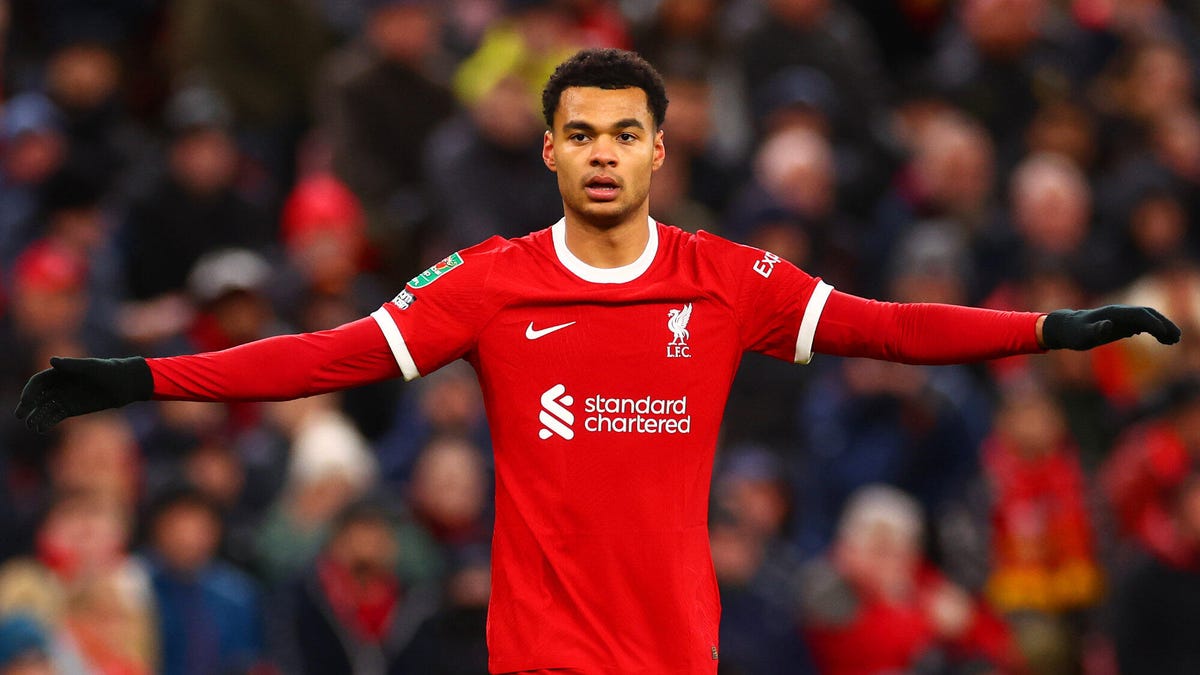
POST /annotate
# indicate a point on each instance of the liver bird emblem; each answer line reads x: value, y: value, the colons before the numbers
x: 677, y: 322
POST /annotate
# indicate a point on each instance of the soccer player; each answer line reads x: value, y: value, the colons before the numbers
x: 605, y: 345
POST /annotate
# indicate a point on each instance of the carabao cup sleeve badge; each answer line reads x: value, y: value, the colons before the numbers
x: 439, y: 270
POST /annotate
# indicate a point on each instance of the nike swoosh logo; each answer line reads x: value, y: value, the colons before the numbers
x: 533, y: 334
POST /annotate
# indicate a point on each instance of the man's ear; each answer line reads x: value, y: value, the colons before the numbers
x: 660, y: 150
x: 548, y: 151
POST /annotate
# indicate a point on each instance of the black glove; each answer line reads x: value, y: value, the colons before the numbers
x: 1086, y: 328
x: 79, y: 386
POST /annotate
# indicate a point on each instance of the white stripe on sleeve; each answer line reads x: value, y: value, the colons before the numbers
x: 808, y: 325
x: 396, y: 341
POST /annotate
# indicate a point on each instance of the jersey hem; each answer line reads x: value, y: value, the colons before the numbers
x: 391, y: 333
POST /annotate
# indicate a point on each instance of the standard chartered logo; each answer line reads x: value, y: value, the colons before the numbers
x: 554, y: 414
x: 612, y: 414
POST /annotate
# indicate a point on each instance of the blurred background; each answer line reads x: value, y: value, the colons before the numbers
x: 186, y: 175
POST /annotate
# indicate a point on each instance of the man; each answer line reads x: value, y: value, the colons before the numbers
x: 605, y: 346
x: 209, y: 613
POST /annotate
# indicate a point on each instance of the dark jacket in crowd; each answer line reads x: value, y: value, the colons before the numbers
x: 170, y: 229
x: 1157, y: 611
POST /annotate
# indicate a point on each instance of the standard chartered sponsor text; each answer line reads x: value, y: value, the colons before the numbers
x: 646, y: 415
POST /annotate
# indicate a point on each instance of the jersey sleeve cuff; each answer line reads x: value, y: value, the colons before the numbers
x: 391, y: 333
x: 808, y: 325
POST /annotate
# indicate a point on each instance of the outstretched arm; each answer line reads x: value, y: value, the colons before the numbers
x: 927, y: 333
x: 273, y: 369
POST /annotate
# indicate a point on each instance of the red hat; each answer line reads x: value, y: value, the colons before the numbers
x: 46, y: 266
x: 320, y: 204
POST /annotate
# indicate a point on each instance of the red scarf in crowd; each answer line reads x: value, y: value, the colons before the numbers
x: 366, y: 604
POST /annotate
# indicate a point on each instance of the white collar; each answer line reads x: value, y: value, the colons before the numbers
x: 604, y: 275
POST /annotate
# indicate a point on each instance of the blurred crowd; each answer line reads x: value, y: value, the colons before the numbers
x: 188, y: 175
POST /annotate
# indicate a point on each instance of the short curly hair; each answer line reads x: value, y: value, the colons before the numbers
x: 607, y: 69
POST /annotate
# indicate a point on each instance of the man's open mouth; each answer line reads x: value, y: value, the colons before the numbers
x: 602, y: 188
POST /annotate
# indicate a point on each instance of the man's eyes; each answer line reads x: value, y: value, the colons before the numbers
x: 625, y: 137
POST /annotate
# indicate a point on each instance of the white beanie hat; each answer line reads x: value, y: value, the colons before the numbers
x: 328, y: 445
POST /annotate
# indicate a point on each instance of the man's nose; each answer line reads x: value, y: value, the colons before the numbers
x: 603, y: 152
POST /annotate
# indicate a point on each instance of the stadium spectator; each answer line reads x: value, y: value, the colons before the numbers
x: 323, y: 229
x: 906, y: 32
x: 351, y: 614
x: 875, y: 605
x: 330, y: 467
x: 829, y: 36
x: 81, y: 582
x: 1067, y: 128
x: 174, y: 430
x: 486, y: 177
x: 235, y: 486
x: 83, y: 78
x: 49, y: 295
x: 1129, y: 374
x: 992, y: 59
x: 759, y: 623
x: 74, y: 222
x: 683, y: 34
x: 263, y: 59
x: 695, y: 41
x: 446, y: 405
x: 1149, y: 468
x: 226, y: 305
x: 794, y: 186
x: 877, y: 422
x: 100, y: 458
x: 209, y: 613
x: 447, y: 496
x: 1158, y: 599
x: 600, y: 23
x: 1045, y: 571
x: 194, y: 208
x: 1051, y: 211
x: 1143, y: 224
x: 106, y: 629
x: 756, y: 566
x: 526, y: 43
x: 1175, y: 139
x: 1154, y: 79
x: 451, y: 641
x: 34, y: 150
x: 332, y: 268
x: 381, y: 101
x: 698, y: 185
x: 949, y: 180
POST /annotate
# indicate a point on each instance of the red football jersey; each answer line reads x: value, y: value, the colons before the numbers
x: 604, y: 391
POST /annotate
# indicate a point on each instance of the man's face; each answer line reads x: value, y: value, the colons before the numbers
x: 186, y: 536
x: 604, y: 146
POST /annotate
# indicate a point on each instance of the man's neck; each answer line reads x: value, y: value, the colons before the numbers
x: 607, y: 247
